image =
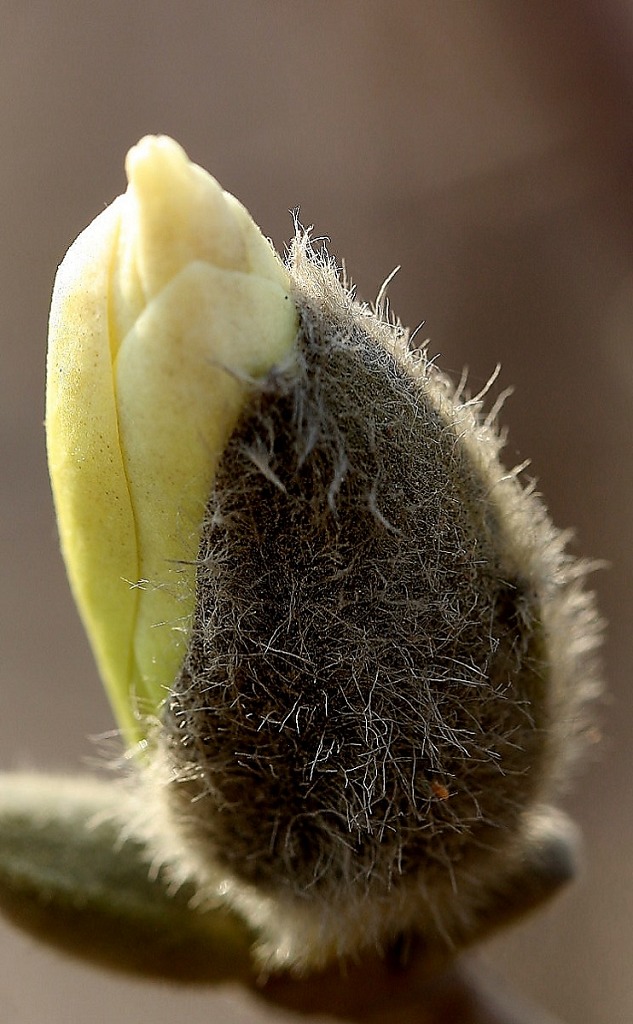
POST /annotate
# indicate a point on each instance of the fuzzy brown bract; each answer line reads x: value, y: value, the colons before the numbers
x: 389, y: 654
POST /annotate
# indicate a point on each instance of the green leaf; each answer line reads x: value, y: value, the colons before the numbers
x: 68, y: 878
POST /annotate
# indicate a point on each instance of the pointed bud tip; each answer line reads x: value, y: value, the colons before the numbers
x: 154, y: 149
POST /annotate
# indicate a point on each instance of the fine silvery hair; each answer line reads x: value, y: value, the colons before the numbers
x: 390, y: 659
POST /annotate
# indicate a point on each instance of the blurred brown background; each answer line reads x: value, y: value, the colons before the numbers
x: 486, y: 147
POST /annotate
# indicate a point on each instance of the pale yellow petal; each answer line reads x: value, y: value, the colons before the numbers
x: 163, y: 308
x: 178, y: 403
x: 175, y: 213
x: 92, y: 500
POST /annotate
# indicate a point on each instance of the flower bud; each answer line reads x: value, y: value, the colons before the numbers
x: 390, y: 658
x: 162, y: 310
x: 363, y: 647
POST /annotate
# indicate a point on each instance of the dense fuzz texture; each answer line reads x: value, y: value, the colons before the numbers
x: 389, y: 652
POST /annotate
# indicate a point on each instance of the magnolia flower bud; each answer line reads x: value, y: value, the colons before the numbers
x: 362, y: 646
x: 390, y: 658
x: 162, y: 309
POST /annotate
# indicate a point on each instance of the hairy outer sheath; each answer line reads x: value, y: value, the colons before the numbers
x: 390, y: 650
